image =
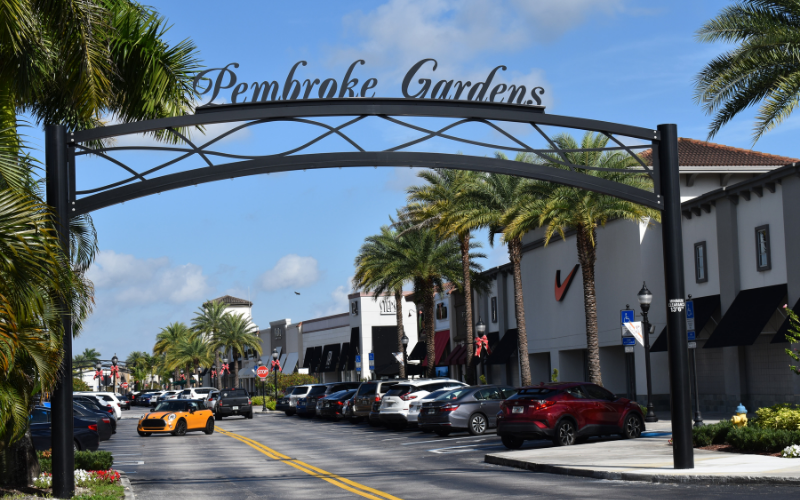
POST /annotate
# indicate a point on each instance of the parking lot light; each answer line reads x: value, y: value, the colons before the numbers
x: 645, y: 298
x: 404, y: 341
x: 275, y: 371
x: 263, y: 388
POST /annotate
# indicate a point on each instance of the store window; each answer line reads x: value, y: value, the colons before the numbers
x: 441, y: 311
x: 278, y: 331
x: 763, y: 259
x: 494, y: 309
x: 700, y: 262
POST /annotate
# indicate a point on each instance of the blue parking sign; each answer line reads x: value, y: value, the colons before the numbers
x: 626, y: 316
x: 371, y: 361
x: 358, y: 362
x: 691, y: 336
x: 628, y: 341
x: 689, y: 309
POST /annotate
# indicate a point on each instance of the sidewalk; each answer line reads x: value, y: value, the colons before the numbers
x: 650, y: 459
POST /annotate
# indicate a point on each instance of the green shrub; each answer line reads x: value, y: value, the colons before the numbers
x: 259, y: 401
x: 780, y: 416
x: 711, y: 434
x: 45, y: 461
x: 761, y: 440
x: 93, y: 460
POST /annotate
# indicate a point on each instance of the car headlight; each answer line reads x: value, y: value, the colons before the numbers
x: 171, y: 417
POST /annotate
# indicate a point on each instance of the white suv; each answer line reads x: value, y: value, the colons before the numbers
x: 107, y: 399
x: 395, y: 403
x: 196, y: 393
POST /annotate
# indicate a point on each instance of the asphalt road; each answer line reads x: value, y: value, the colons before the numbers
x: 274, y: 456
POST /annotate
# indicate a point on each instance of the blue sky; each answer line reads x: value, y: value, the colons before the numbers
x: 266, y: 237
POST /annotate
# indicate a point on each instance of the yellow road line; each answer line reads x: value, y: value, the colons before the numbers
x: 341, y: 482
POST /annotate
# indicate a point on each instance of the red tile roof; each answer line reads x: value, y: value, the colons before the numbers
x: 233, y: 301
x: 694, y: 153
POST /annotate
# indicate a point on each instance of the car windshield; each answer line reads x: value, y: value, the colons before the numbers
x: 367, y: 389
x: 236, y: 393
x: 536, y: 392
x: 454, y: 394
x: 436, y: 394
x: 399, y: 390
x: 318, y: 389
x: 299, y: 391
x: 336, y: 395
x: 172, y: 406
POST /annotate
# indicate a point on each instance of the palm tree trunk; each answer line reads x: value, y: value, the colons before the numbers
x: 515, y: 255
x: 218, y: 363
x: 430, y: 327
x: 236, y: 370
x: 470, y: 370
x: 587, y: 256
x: 401, y: 331
x: 18, y: 463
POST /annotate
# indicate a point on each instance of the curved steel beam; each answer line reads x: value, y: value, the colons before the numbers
x: 361, y: 159
x: 368, y: 107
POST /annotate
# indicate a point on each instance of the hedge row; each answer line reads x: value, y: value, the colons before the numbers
x: 750, y: 439
x: 86, y: 460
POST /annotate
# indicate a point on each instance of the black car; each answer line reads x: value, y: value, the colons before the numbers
x: 233, y: 402
x: 124, y: 403
x: 103, y: 421
x: 84, y: 433
x: 333, y: 404
x: 91, y: 403
x: 473, y: 409
x: 319, y: 390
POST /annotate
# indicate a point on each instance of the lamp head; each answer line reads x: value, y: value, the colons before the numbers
x: 260, y: 363
x: 480, y: 327
x: 275, y: 354
x: 225, y: 360
x: 645, y: 297
x: 404, y: 339
x: 99, y: 366
x: 114, y: 360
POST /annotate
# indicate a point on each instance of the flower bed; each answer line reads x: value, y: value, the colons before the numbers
x: 774, y: 432
x: 82, y: 478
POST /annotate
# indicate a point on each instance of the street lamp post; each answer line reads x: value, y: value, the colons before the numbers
x: 263, y: 388
x: 214, y: 375
x: 275, y: 371
x: 480, y: 329
x: 404, y: 341
x: 114, y: 361
x: 100, y: 378
x: 225, y: 364
x: 198, y: 377
x: 645, y: 298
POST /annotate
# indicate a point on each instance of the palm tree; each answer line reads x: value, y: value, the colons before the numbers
x: 421, y: 257
x: 208, y: 320
x: 85, y: 360
x: 189, y: 353
x: 762, y: 68
x: 135, y: 359
x: 489, y: 204
x: 168, y: 338
x: 434, y: 205
x: 584, y: 211
x: 238, y: 335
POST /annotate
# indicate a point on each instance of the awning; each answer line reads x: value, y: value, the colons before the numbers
x: 704, y: 308
x: 440, y: 342
x: 780, y: 335
x: 355, y: 342
x: 504, y: 349
x: 330, y: 358
x: 308, y: 357
x: 455, y: 356
x: 291, y: 362
x: 418, y: 352
x: 343, y: 357
x: 282, y: 361
x: 316, y: 359
x: 747, y: 316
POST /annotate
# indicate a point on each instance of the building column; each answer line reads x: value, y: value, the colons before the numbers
x: 790, y: 195
x: 729, y: 287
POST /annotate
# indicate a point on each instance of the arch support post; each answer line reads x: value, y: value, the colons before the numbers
x: 57, y: 171
x: 672, y: 240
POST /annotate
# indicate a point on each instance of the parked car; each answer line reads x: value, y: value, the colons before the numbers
x: 97, y: 410
x: 290, y: 407
x: 233, y: 402
x: 197, y: 393
x: 395, y: 403
x: 567, y: 413
x: 283, y: 403
x: 309, y: 408
x: 84, y: 432
x: 110, y: 399
x: 333, y: 404
x: 211, y: 400
x: 473, y: 409
x: 368, y: 394
x: 124, y: 402
x: 103, y: 421
x: 155, y: 397
x: 347, y: 407
x: 416, y: 405
x: 177, y: 417
x: 162, y: 397
x: 98, y: 403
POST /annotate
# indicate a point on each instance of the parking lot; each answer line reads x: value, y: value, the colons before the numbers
x: 275, y: 456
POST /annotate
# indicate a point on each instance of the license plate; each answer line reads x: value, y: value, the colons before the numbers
x: 518, y: 409
x: 430, y: 411
x: 235, y: 408
x: 326, y: 405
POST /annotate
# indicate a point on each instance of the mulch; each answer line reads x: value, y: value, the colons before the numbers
x: 730, y: 449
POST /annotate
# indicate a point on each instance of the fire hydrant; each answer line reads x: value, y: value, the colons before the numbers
x: 740, y: 419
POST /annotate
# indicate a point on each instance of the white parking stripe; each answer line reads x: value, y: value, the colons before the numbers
x: 464, y: 449
x: 446, y: 439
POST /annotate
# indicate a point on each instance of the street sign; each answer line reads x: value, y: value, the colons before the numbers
x: 628, y: 341
x: 690, y: 315
x: 262, y: 372
x: 635, y: 329
x: 627, y: 316
x: 124, y: 385
x: 692, y: 345
x: 358, y: 362
x: 691, y: 336
x: 628, y: 349
x: 371, y: 362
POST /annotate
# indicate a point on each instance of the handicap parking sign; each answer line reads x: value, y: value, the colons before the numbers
x: 691, y: 336
x: 626, y: 316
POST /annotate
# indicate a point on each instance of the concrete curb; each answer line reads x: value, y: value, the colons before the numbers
x: 126, y: 483
x: 647, y: 478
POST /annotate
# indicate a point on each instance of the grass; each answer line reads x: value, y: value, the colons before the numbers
x: 102, y: 491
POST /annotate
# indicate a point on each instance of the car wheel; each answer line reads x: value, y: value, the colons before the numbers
x: 632, y: 428
x: 209, y: 426
x: 442, y: 432
x: 477, y: 424
x: 144, y: 434
x: 288, y: 413
x: 512, y: 443
x: 249, y: 415
x: 76, y: 446
x: 565, y: 433
x: 180, y: 429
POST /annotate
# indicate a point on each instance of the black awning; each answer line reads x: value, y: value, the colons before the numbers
x: 355, y: 341
x: 330, y: 358
x: 780, y: 335
x: 747, y: 316
x: 343, y: 357
x: 316, y: 356
x: 419, y: 352
x: 504, y: 349
x: 704, y: 308
x: 308, y: 357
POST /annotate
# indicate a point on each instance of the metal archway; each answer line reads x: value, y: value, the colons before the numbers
x: 63, y: 150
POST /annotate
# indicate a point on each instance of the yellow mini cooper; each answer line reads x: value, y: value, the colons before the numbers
x: 177, y: 416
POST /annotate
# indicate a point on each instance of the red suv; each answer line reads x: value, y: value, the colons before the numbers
x: 567, y: 413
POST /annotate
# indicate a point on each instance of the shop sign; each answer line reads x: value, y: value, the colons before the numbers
x: 214, y: 81
x: 387, y: 306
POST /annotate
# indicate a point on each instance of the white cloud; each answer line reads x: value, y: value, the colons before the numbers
x: 141, y: 281
x: 403, y: 178
x: 338, y: 303
x: 291, y: 271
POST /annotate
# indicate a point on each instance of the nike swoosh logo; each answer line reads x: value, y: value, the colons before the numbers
x: 561, y: 288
